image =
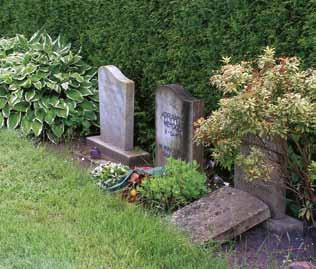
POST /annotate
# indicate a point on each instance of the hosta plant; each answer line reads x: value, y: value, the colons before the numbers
x: 45, y: 89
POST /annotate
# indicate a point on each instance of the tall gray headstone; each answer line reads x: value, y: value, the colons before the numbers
x: 176, y: 112
x: 116, y: 107
x: 116, y: 141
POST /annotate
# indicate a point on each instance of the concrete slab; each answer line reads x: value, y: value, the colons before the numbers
x: 130, y: 158
x: 222, y: 215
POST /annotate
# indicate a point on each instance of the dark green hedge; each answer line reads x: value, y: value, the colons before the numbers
x: 176, y: 41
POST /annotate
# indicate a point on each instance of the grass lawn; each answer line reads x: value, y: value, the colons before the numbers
x: 53, y: 216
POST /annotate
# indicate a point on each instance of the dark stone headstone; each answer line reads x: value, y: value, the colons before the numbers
x: 176, y: 112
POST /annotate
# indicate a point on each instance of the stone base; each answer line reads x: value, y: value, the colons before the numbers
x: 130, y: 158
x: 284, y: 225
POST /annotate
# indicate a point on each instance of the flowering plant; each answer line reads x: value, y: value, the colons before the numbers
x: 267, y: 101
x: 109, y: 173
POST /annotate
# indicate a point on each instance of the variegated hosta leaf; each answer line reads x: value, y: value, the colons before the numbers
x: 3, y: 102
x: 88, y: 106
x: 21, y: 107
x: 29, y: 95
x: 50, y: 116
x: 26, y: 125
x: 58, y: 129
x: 14, y: 120
x: 37, y: 127
x: 1, y: 121
x: 74, y: 95
x: 6, y: 111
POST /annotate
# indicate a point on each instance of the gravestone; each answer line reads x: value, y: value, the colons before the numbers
x: 221, y: 215
x: 271, y: 191
x: 176, y: 112
x: 116, y: 141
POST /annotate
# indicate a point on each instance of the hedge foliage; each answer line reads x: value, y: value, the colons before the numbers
x: 180, y: 41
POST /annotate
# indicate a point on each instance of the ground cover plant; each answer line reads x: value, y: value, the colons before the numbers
x: 45, y: 88
x: 180, y: 184
x: 271, y: 99
x: 157, y: 42
x: 53, y: 216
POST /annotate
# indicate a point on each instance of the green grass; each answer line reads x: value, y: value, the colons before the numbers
x: 53, y: 216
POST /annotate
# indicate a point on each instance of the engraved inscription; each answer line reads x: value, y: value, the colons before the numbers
x: 172, y: 124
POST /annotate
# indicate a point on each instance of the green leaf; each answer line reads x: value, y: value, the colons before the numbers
x: 63, y: 112
x: 40, y: 114
x: 90, y: 115
x: 6, y: 111
x: 38, y: 85
x: 88, y: 105
x: 52, y: 137
x: 50, y: 116
x: 53, y: 101
x: 77, y: 77
x: 85, y: 91
x: 26, y: 84
x: 14, y: 120
x: 58, y: 129
x: 1, y: 121
x: 75, y: 95
x: 3, y: 102
x: 3, y: 92
x: 26, y: 125
x: 21, y: 107
x: 37, y: 127
x: 13, y: 100
x: 29, y: 95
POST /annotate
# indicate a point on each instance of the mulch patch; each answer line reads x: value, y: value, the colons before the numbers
x: 260, y: 249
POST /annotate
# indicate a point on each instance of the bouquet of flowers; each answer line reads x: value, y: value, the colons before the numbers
x: 109, y: 174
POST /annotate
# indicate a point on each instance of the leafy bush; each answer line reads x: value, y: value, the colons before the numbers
x: 45, y: 89
x: 181, y: 184
x: 271, y: 99
x: 180, y: 41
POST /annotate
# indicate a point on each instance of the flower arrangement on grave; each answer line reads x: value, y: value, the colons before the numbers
x: 108, y: 174
x: 270, y: 99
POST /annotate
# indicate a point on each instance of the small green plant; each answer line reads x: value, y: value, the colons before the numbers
x: 109, y: 173
x: 45, y: 88
x: 181, y: 184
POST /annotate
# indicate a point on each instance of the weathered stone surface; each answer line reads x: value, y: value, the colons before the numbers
x: 130, y: 158
x: 222, y: 215
x: 117, y: 118
x: 301, y: 265
x: 116, y: 107
x: 271, y: 191
x: 284, y: 225
x: 176, y: 112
